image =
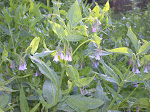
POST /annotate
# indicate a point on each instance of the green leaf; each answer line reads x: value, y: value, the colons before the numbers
x: 7, y: 89
x: 81, y: 30
x: 4, y: 55
x: 34, y: 44
x: 72, y: 73
x: 46, y: 70
x: 63, y: 106
x: 116, y: 71
x: 42, y: 54
x: 95, y: 12
x: 76, y: 104
x: 7, y: 16
x: 91, y: 103
x: 144, y: 48
x: 74, y: 37
x: 122, y: 50
x: 59, y: 30
x: 106, y: 7
x: 4, y: 99
x: 84, y: 81
x: 1, y: 110
x: 133, y: 38
x: 23, y: 101
x: 49, y: 92
x: 96, y: 39
x: 113, y: 92
x: 107, y: 78
x: 110, y: 71
x: 35, y: 108
x: 74, y: 15
x: 142, y: 103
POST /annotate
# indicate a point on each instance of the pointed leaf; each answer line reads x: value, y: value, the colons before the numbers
x: 144, y: 48
x: 34, y: 44
x: 106, y: 7
x: 76, y: 104
x: 84, y: 81
x: 23, y: 101
x: 110, y: 71
x: 59, y: 30
x: 42, y: 54
x: 4, y: 55
x: 74, y: 37
x: 122, y: 50
x: 91, y: 103
x: 49, y: 92
x: 72, y: 72
x: 35, y: 108
x: 74, y: 15
x: 7, y: 16
x: 133, y: 38
x: 46, y: 70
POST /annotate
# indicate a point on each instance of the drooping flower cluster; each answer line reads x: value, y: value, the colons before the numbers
x: 64, y: 56
x: 22, y: 65
x: 137, y: 64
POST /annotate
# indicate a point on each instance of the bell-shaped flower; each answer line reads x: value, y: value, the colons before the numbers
x: 61, y: 55
x: 96, y: 64
x: 146, y: 69
x: 138, y: 63
x: 94, y: 29
x: 66, y: 56
x: 22, y: 66
x: 56, y: 57
x: 137, y: 71
x: 37, y: 73
x: 69, y: 57
x: 11, y: 64
x: 97, y: 57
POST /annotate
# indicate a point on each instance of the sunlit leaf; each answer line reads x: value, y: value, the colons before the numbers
x: 122, y: 50
x: 133, y: 38
x: 144, y: 48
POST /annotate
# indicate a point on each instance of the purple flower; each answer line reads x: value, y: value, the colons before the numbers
x: 61, y: 55
x: 135, y: 85
x: 69, y: 58
x: 56, y: 57
x: 96, y: 64
x: 97, y: 57
x: 94, y: 29
x: 37, y: 73
x: 138, y: 64
x: 146, y: 70
x: 11, y: 65
x: 137, y: 71
x: 66, y: 57
x: 133, y: 69
x: 22, y: 66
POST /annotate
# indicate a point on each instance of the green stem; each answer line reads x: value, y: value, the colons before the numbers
x: 114, y: 99
x: 80, y: 46
x: 128, y: 96
x: 12, y: 39
x: 59, y: 86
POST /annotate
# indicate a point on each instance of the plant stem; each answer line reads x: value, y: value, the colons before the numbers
x: 59, y: 86
x: 80, y: 46
x: 114, y: 99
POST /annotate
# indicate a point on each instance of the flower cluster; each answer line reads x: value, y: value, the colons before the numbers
x: 137, y: 64
x: 64, y: 56
x: 22, y: 65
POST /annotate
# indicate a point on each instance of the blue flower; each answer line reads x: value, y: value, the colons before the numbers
x: 22, y: 66
x: 137, y: 71
x: 56, y: 57
x: 146, y: 69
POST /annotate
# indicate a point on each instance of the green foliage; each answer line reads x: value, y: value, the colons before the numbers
x: 65, y: 56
